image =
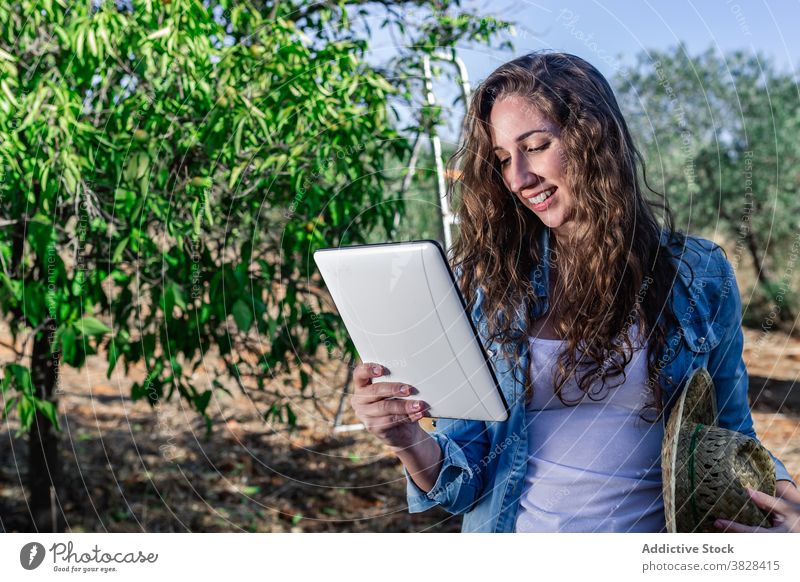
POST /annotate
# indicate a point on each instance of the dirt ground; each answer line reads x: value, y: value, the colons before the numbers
x: 129, y: 468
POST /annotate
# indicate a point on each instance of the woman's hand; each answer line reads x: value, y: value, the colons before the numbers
x: 393, y: 420
x: 785, y: 515
x: 396, y: 422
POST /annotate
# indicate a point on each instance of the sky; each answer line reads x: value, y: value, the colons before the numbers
x: 610, y: 33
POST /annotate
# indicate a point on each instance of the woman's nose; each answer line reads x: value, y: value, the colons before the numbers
x: 520, y: 174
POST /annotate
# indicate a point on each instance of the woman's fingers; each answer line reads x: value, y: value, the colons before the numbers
x: 391, y: 407
x: 384, y: 424
x: 768, y: 502
x: 375, y: 392
x: 382, y: 406
x: 784, y: 515
x: 365, y: 372
x: 389, y: 412
x: 399, y: 407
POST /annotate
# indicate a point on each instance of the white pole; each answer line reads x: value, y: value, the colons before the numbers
x: 448, y: 218
x: 436, y: 144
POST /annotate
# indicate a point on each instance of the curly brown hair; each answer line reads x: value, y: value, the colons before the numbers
x: 618, y: 275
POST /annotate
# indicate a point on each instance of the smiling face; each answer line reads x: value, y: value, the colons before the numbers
x: 528, y: 148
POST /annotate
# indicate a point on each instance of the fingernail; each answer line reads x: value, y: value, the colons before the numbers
x: 376, y: 369
x: 417, y: 405
x: 405, y: 390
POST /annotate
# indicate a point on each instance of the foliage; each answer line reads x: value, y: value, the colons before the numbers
x: 720, y: 137
x: 421, y: 216
x: 168, y: 168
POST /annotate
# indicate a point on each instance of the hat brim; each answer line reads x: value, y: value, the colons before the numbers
x: 697, y: 403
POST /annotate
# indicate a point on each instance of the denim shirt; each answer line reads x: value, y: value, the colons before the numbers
x: 484, y: 463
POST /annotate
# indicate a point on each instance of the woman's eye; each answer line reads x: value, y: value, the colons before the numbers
x: 542, y: 147
x: 505, y: 162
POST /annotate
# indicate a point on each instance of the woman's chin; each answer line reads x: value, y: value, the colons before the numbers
x: 551, y: 219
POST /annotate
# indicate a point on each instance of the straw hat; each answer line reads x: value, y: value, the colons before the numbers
x: 706, y: 468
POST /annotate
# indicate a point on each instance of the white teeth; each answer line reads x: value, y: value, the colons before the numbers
x: 542, y: 197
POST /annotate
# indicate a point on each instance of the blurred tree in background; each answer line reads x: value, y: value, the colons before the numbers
x: 719, y: 133
x: 168, y: 169
x: 421, y: 216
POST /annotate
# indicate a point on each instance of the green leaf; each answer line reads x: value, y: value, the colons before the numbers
x: 113, y: 356
x: 242, y: 314
x: 68, y: 343
x: 26, y: 411
x: 291, y: 417
x: 119, y: 249
x: 43, y: 177
x: 34, y: 307
x: 40, y: 234
x: 20, y: 376
x: 235, y: 173
x: 48, y: 409
x: 159, y: 33
x: 79, y: 43
x: 237, y: 136
x: 91, y: 326
x: 201, y: 401
x: 178, y: 297
x: 142, y: 161
x: 136, y: 166
x: 14, y: 288
x: 92, y: 42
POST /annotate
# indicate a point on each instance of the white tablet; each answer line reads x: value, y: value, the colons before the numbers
x: 403, y: 309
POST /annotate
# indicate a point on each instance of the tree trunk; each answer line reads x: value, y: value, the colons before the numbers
x: 784, y: 311
x: 44, y: 471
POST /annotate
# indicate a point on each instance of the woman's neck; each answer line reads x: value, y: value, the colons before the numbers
x: 568, y: 234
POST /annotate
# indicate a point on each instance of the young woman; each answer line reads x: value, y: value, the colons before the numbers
x: 592, y: 313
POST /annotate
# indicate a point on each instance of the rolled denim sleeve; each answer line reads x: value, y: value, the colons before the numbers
x: 727, y: 367
x: 461, y: 479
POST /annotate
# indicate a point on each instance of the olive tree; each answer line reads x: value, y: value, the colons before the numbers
x: 720, y: 137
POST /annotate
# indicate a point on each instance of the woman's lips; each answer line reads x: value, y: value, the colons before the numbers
x: 540, y: 206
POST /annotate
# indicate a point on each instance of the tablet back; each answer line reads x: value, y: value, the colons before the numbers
x: 403, y: 309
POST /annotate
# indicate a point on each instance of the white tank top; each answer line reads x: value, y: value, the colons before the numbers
x: 594, y: 466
